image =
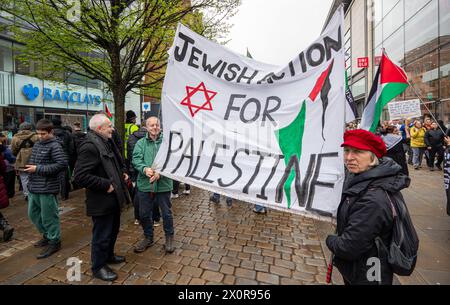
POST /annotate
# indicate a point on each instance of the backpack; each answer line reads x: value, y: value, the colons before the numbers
x: 27, y: 143
x: 402, y: 251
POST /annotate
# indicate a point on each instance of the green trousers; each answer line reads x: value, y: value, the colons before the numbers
x: 43, y: 212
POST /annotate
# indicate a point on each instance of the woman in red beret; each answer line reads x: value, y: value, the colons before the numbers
x: 365, y: 211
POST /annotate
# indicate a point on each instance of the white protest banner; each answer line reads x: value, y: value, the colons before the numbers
x: 404, y: 109
x: 256, y: 132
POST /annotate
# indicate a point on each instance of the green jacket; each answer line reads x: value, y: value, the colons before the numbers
x: 144, y: 153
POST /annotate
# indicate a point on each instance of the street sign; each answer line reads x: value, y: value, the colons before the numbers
x: 363, y: 62
x: 146, y: 106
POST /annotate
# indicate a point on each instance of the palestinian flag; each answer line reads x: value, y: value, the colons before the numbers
x: 390, y: 81
x: 107, y: 112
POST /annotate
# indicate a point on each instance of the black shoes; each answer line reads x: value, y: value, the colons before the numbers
x: 52, y: 248
x: 105, y: 274
x: 41, y: 243
x: 169, y: 244
x: 116, y: 259
x: 143, y: 245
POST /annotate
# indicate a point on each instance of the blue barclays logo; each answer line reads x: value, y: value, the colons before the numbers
x: 30, y: 92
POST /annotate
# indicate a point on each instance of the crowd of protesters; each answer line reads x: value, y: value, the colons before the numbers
x: 50, y: 160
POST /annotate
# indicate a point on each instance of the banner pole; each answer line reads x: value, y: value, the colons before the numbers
x: 417, y: 94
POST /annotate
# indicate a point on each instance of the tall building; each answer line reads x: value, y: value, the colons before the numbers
x: 415, y: 35
x: 27, y: 98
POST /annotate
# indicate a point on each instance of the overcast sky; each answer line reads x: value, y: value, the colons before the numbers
x: 277, y: 30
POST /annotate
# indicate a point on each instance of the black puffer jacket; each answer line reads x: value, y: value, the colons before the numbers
x: 365, y: 213
x: 50, y: 160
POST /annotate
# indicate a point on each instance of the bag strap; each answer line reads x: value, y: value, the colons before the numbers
x: 394, y: 212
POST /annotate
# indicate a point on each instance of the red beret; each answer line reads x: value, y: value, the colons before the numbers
x: 364, y: 140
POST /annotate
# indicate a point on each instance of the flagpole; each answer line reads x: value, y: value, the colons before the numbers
x: 417, y: 94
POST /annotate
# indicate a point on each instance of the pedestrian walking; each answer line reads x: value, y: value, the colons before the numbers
x: 101, y: 171
x: 4, y: 202
x: 152, y: 188
x: 10, y: 160
x: 434, y: 140
x: 418, y: 143
x: 21, y: 146
x: 46, y: 163
x: 365, y: 211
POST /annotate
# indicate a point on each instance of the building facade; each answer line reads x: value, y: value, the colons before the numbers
x: 26, y: 98
x: 415, y: 35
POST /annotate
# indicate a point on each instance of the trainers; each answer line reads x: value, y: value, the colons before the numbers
x: 174, y: 196
x: 186, y: 192
x: 262, y: 211
x: 214, y: 199
x: 156, y: 223
x: 229, y: 202
x: 416, y: 167
x: 41, y: 243
x: 136, y: 222
x: 143, y: 245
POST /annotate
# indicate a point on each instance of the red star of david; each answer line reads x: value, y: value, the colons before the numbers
x: 193, y: 108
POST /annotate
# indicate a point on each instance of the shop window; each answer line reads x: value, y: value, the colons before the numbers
x: 444, y: 22
x: 423, y: 75
x: 421, y: 32
x: 413, y: 6
x: 444, y: 74
x: 393, y: 20
x: 388, y: 5
x: 395, y: 48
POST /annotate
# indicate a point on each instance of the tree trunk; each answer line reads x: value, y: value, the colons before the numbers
x: 119, y: 112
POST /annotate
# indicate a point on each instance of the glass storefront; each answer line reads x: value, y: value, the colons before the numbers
x: 416, y: 36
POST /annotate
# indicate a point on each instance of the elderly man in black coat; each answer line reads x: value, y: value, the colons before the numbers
x: 100, y: 169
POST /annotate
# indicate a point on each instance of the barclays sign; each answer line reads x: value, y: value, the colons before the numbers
x: 48, y: 94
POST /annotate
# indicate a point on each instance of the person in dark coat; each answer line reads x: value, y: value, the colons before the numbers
x: 4, y: 202
x: 45, y: 165
x: 394, y: 146
x: 101, y: 171
x: 447, y: 172
x: 434, y: 140
x: 77, y: 137
x: 365, y: 211
x: 63, y: 136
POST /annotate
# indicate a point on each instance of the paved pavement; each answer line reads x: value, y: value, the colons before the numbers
x: 217, y: 244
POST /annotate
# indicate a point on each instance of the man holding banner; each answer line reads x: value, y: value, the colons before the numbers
x: 152, y: 188
x: 260, y: 133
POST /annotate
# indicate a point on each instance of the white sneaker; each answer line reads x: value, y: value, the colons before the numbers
x: 136, y: 222
x: 174, y: 196
x: 186, y: 192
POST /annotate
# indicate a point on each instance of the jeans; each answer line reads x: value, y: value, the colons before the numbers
x: 418, y: 155
x: 147, y: 202
x: 24, y: 178
x: 156, y: 214
x: 104, y: 235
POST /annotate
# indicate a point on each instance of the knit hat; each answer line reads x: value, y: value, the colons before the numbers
x: 130, y: 115
x: 25, y: 126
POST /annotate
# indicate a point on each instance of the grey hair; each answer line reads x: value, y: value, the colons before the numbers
x: 97, y: 120
x: 375, y: 161
x: 152, y: 117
